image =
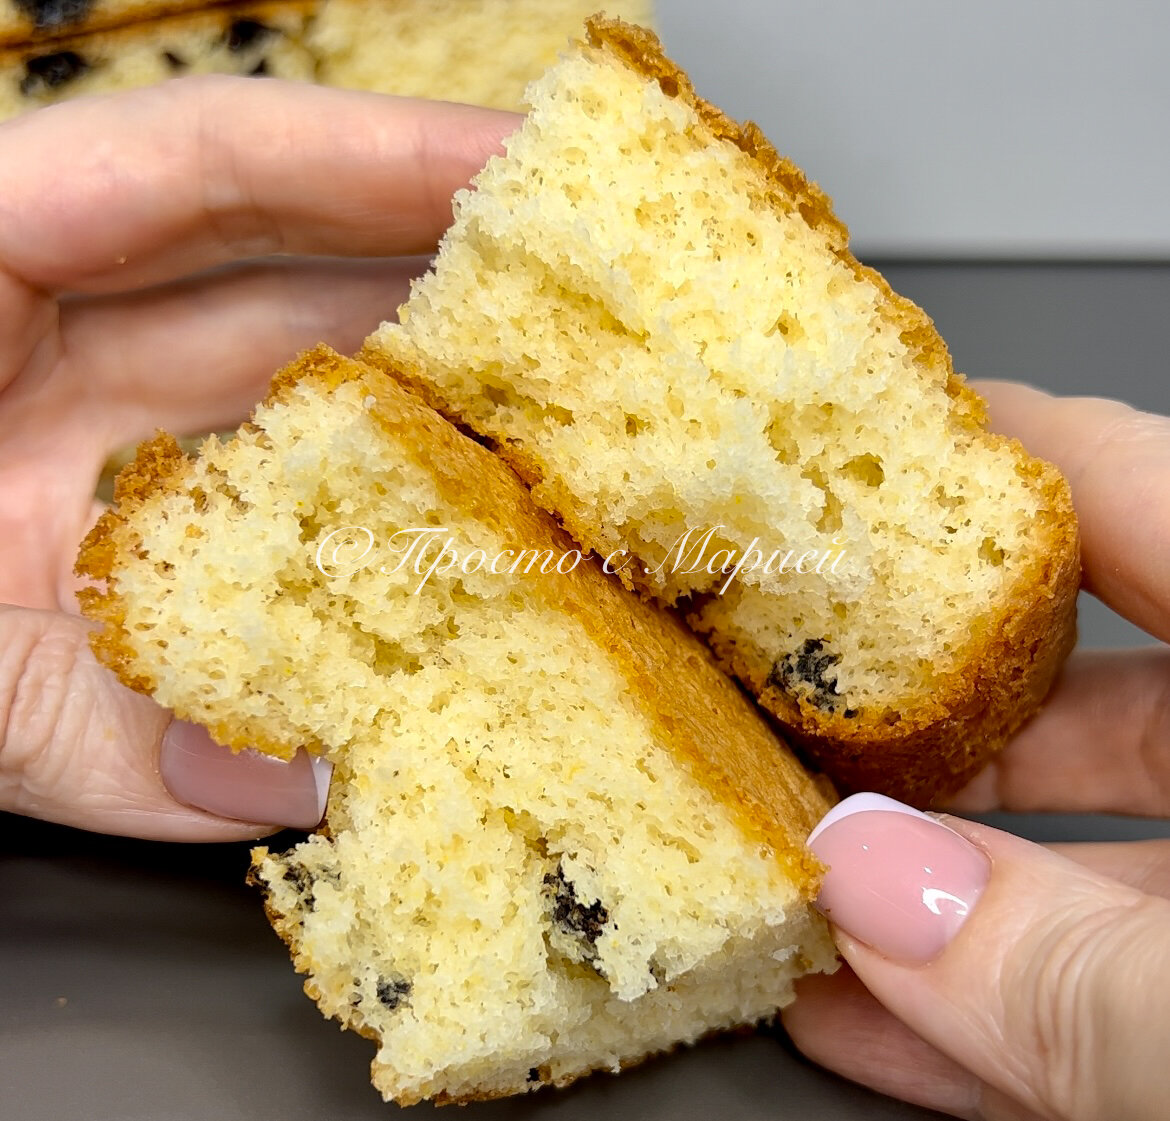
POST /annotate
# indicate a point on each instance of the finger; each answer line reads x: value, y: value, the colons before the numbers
x: 1041, y: 977
x: 1100, y: 743
x: 28, y: 326
x: 220, y: 336
x: 1117, y: 461
x: 46, y: 508
x: 115, y: 193
x: 1144, y: 865
x: 78, y: 748
x: 838, y: 1024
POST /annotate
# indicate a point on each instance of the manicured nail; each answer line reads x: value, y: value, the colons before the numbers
x: 898, y: 880
x: 247, y: 785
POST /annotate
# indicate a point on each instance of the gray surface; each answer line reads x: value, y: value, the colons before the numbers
x: 180, y: 1003
x: 955, y: 127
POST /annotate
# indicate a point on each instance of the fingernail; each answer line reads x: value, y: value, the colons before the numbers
x: 898, y: 880
x: 245, y: 785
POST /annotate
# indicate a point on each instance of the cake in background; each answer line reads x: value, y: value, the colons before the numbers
x: 32, y: 21
x: 479, y: 51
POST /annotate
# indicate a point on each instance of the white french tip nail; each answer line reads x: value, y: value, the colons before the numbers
x: 322, y: 775
x: 860, y: 803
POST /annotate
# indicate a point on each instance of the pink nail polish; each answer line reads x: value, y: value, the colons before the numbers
x: 247, y: 785
x: 898, y: 880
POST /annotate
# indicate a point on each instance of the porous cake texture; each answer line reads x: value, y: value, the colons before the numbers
x: 657, y: 321
x: 558, y: 839
x: 482, y: 52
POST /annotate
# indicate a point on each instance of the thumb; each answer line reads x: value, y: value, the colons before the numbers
x: 79, y: 748
x: 1044, y: 979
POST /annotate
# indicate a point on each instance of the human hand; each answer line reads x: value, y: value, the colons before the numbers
x: 140, y: 288
x: 993, y: 978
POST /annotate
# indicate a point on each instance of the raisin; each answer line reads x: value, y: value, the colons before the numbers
x: 586, y: 923
x: 245, y: 33
x: 298, y: 876
x: 55, y: 13
x: 392, y: 991
x: 807, y: 666
x: 51, y: 71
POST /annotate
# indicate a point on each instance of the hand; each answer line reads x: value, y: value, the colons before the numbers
x: 139, y: 288
x: 1014, y: 981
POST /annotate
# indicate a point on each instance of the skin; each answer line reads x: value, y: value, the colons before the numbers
x: 1049, y: 1003
x: 140, y: 287
x: 156, y: 277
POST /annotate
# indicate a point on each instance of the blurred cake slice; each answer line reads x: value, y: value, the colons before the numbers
x: 31, y: 21
x: 249, y: 40
x: 483, y: 52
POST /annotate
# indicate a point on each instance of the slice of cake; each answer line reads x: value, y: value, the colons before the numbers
x: 558, y: 838
x: 483, y: 52
x: 657, y: 321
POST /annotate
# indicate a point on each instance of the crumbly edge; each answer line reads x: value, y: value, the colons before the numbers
x: 775, y: 801
x: 930, y: 752
x: 287, y: 930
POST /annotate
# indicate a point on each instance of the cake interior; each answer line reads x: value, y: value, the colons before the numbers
x: 664, y: 342
x: 520, y: 880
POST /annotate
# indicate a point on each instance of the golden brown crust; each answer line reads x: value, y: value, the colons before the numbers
x: 157, y: 466
x: 923, y: 756
x: 918, y: 756
x: 26, y: 36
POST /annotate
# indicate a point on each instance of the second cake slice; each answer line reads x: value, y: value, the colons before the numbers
x: 658, y: 322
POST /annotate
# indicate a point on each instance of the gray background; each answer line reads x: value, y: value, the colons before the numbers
x: 141, y: 980
x: 955, y: 127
